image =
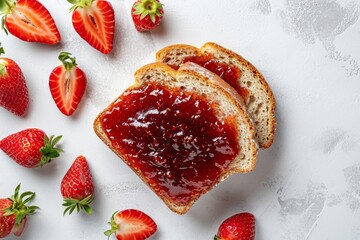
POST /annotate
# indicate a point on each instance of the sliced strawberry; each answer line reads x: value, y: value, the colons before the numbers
x: 94, y: 21
x: 67, y: 84
x: 30, y: 21
x: 131, y: 224
x: 14, y: 94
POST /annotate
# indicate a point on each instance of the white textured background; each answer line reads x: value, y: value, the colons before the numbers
x: 307, y: 186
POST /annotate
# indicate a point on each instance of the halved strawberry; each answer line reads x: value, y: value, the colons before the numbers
x: 131, y: 224
x: 29, y: 20
x: 94, y: 21
x: 67, y: 84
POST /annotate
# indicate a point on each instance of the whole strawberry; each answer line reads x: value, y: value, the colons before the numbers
x: 14, y: 212
x: 94, y: 21
x: 31, y: 147
x: 147, y: 14
x: 13, y: 90
x: 238, y: 227
x: 77, y: 187
x: 67, y: 84
x: 131, y: 224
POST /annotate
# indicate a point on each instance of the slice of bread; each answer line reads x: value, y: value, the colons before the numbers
x: 197, y: 81
x: 260, y: 101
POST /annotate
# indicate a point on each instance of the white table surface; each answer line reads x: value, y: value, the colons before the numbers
x: 307, y: 186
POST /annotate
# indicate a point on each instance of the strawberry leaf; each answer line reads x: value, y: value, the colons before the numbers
x: 56, y: 140
x: 71, y: 204
x: 6, y: 6
x: 79, y: 3
x: 113, y: 224
x: 67, y: 60
x: 149, y: 8
x: 49, y: 151
x: 2, y: 51
x: 18, y: 206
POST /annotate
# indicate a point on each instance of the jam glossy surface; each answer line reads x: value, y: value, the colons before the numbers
x: 228, y: 73
x: 173, y: 138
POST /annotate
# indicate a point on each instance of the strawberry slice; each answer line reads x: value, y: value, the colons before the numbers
x: 67, y: 84
x: 29, y: 20
x: 131, y: 224
x: 94, y: 21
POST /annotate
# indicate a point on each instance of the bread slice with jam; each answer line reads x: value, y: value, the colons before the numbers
x: 181, y: 131
x: 239, y: 73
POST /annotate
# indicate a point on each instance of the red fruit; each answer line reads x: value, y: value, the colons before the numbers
x: 131, y: 224
x: 13, y: 213
x: 77, y: 187
x: 238, y: 227
x: 30, y: 21
x: 94, y: 21
x: 31, y: 147
x: 6, y: 222
x: 14, y: 94
x: 147, y: 14
x: 67, y: 84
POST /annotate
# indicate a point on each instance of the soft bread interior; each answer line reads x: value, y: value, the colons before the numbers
x: 174, y: 55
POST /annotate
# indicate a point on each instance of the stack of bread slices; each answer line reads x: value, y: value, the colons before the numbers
x: 252, y: 114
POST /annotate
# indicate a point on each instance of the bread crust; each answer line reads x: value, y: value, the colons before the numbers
x: 215, y: 82
x: 166, y: 53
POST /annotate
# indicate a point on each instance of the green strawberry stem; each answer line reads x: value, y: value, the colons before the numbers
x: 6, y: 7
x: 216, y: 237
x: 18, y: 206
x: 67, y: 60
x: 72, y: 204
x: 114, y: 226
x: 2, y: 51
x: 3, y: 70
x: 49, y: 151
x: 80, y: 3
x: 148, y: 7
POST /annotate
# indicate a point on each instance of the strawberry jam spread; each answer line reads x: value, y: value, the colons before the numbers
x: 227, y: 72
x: 173, y: 138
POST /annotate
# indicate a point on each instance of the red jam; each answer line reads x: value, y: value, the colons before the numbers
x: 228, y: 73
x: 173, y: 138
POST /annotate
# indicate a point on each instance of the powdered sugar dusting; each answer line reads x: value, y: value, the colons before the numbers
x: 114, y: 190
